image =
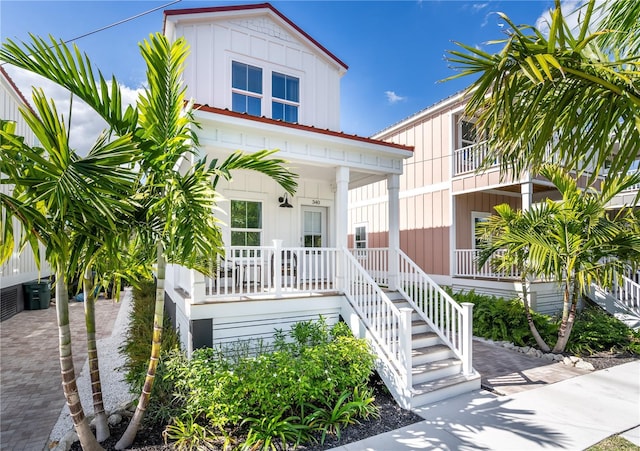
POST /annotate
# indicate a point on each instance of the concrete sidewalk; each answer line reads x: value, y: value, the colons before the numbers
x: 572, y: 415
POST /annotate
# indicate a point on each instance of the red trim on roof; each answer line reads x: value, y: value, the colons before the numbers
x: 216, y: 9
x: 15, y: 88
x: 308, y: 128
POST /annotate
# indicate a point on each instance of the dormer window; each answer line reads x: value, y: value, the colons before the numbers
x: 285, y: 97
x: 246, y: 83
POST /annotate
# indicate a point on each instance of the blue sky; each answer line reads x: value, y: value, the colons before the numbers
x: 395, y: 50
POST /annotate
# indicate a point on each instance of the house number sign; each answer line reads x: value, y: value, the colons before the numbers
x: 315, y: 202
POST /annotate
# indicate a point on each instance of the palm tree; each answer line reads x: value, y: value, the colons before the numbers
x: 576, y: 91
x: 180, y: 203
x: 54, y: 60
x: 57, y: 197
x: 574, y: 241
x: 175, y: 214
x: 497, y: 234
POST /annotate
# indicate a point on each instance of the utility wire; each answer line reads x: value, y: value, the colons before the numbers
x: 115, y: 24
x: 121, y: 22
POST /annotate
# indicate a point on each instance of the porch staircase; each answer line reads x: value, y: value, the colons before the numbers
x: 436, y: 372
x: 622, y: 301
x: 422, y: 337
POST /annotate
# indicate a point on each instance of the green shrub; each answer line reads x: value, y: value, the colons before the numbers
x: 595, y: 331
x: 505, y: 320
x: 309, y: 369
x: 136, y: 349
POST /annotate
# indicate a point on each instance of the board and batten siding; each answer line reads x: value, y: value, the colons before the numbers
x: 261, y: 42
x: 424, y: 194
x: 277, y: 223
x: 480, y: 202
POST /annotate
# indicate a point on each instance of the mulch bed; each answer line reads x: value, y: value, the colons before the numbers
x: 392, y: 417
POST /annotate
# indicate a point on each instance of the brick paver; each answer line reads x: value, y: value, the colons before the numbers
x: 31, y: 396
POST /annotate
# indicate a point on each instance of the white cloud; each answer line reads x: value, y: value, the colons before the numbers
x: 392, y: 97
x: 573, y: 12
x: 479, y: 6
x: 86, y: 124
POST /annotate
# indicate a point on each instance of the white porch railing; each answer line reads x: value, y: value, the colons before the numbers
x: 470, y: 158
x: 467, y: 266
x: 451, y: 321
x: 259, y: 270
x: 389, y: 325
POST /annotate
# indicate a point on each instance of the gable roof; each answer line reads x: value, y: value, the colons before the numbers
x: 256, y: 6
x: 16, y: 89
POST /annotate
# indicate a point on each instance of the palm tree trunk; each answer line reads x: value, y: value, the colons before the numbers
x: 69, y: 386
x: 532, y: 326
x: 102, y: 426
x: 567, y: 324
x: 158, y: 320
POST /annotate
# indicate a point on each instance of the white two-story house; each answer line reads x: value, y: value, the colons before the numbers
x: 260, y: 82
x: 21, y: 266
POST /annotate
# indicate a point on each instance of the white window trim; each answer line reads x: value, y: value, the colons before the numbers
x: 366, y: 234
x: 240, y: 229
x: 267, y: 88
x: 476, y: 215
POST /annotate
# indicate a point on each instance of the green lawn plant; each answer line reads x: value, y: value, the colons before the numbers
x: 314, y: 379
x: 595, y: 330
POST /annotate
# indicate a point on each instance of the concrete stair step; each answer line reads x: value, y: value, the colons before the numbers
x: 428, y: 354
x: 437, y: 390
x: 424, y: 339
x: 432, y: 371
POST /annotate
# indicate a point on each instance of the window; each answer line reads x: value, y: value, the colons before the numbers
x: 246, y: 223
x: 467, y: 133
x: 312, y: 228
x: 477, y: 217
x: 285, y: 97
x: 246, y: 83
x: 360, y: 237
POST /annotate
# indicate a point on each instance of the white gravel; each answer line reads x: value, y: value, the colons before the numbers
x: 115, y: 391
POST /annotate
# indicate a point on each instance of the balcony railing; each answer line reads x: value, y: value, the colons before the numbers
x: 467, y: 266
x: 470, y: 158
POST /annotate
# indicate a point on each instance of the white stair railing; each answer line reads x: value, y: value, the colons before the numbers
x: 628, y: 292
x: 450, y: 320
x: 389, y: 326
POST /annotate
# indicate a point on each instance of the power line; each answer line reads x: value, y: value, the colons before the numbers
x: 115, y: 24
x: 121, y: 22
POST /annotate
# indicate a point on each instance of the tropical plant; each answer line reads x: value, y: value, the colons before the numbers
x: 188, y: 435
x: 55, y: 60
x: 574, y: 92
x: 263, y: 432
x: 574, y: 241
x: 177, y: 202
x: 175, y: 214
x: 492, y: 233
x: 59, y: 197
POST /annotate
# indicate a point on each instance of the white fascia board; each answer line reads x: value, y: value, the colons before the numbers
x: 302, y: 137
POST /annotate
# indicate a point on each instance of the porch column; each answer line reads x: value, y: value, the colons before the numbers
x: 393, y: 191
x: 526, y: 189
x: 342, y: 205
x: 342, y: 219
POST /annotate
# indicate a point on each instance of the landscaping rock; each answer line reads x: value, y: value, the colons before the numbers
x: 114, y: 419
x: 584, y: 365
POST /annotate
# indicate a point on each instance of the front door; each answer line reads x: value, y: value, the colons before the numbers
x: 314, y: 267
